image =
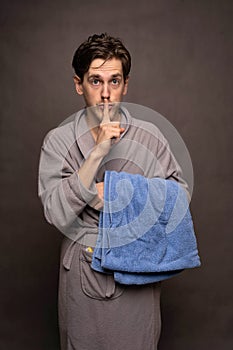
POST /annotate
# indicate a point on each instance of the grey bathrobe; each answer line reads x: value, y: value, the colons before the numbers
x: 95, y: 313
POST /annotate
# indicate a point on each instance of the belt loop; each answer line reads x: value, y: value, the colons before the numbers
x: 67, y: 259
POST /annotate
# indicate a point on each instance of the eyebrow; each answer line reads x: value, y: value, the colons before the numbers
x: 97, y: 76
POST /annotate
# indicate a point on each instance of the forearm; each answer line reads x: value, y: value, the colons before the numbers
x: 107, y: 130
x: 89, y: 168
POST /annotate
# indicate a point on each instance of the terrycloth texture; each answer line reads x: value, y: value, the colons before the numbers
x: 145, y: 230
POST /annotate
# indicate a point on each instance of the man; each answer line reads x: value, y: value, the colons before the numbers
x: 95, y: 313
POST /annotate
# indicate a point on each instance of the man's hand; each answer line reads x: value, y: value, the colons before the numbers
x: 107, y: 131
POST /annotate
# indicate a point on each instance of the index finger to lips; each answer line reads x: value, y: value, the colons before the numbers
x: 106, y: 113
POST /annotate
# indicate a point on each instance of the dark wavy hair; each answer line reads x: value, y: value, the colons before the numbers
x: 100, y: 46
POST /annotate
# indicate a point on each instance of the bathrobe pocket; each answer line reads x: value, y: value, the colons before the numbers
x: 95, y: 284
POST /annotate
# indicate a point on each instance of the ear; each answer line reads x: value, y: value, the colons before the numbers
x: 78, y: 85
x: 126, y: 86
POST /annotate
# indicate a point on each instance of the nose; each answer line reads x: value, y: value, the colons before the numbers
x: 105, y: 93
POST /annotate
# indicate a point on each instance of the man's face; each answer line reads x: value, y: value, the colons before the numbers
x: 103, y: 83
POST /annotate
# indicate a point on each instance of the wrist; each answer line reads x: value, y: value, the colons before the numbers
x: 100, y: 150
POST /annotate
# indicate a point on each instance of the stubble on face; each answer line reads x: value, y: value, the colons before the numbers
x: 104, y: 83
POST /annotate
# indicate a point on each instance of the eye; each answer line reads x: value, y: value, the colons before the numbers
x: 95, y: 81
x: 115, y: 81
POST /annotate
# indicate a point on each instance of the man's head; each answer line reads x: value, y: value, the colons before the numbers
x: 100, y: 46
x: 102, y: 65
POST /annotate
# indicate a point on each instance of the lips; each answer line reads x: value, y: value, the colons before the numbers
x: 101, y: 106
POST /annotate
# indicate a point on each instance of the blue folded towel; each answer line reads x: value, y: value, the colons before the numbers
x: 145, y: 230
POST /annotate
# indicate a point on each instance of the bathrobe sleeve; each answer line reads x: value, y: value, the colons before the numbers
x: 63, y: 195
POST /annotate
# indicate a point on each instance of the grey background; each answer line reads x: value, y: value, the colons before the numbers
x: 182, y: 68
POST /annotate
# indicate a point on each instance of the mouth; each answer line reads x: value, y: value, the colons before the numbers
x: 102, y: 105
